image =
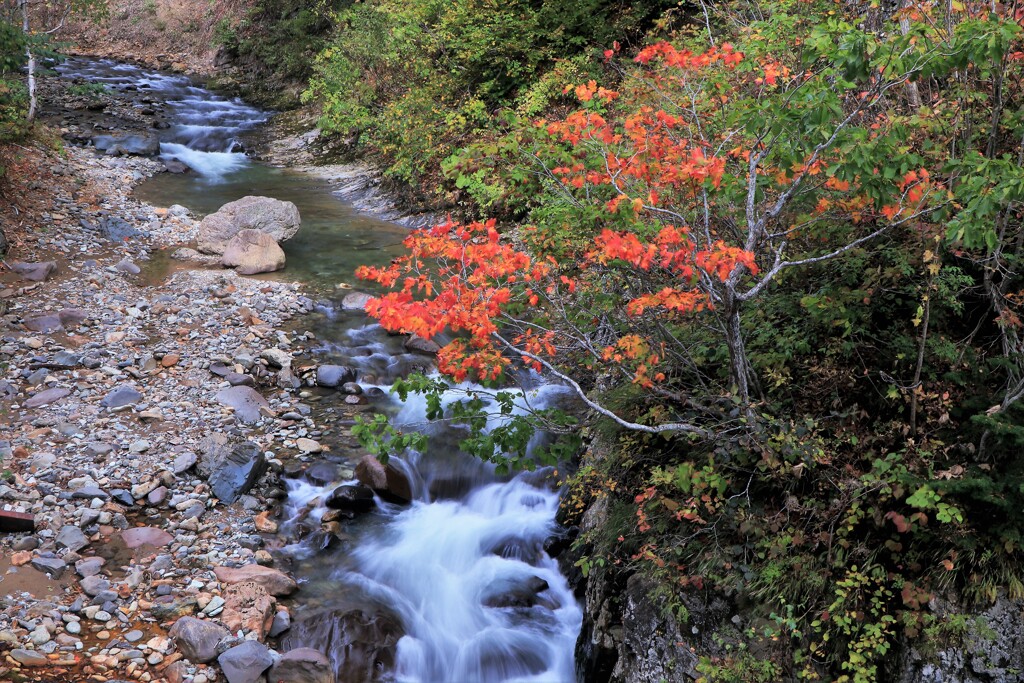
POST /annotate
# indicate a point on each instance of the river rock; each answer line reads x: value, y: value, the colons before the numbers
x: 146, y: 535
x: 46, y: 324
x: 176, y: 166
x: 139, y: 145
x: 29, y: 657
x: 275, y: 581
x: 238, y: 471
x: 418, y: 344
x: 355, y: 301
x: 334, y: 375
x: 197, y: 639
x: 302, y: 665
x: 119, y: 397
x: 248, y: 607
x: 72, y: 538
x: 245, y: 663
x: 34, y: 272
x: 278, y: 219
x: 53, y: 566
x: 350, y: 498
x: 46, y: 397
x: 387, y: 481
x: 251, y: 251
x: 245, y: 401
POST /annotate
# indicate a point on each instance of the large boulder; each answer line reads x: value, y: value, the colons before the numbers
x: 34, y: 272
x: 278, y: 219
x: 250, y: 252
x: 197, y: 639
x: 334, y: 375
x: 350, y: 498
x: 302, y: 665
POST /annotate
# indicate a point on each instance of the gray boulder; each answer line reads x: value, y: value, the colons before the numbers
x: 334, y: 375
x: 197, y: 639
x: 238, y: 472
x: 278, y: 219
x: 245, y: 663
x: 251, y: 251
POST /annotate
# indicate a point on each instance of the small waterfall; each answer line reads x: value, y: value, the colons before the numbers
x: 204, y: 127
x: 455, y: 586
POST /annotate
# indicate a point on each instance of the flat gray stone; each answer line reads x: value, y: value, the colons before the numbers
x: 72, y: 538
x: 46, y: 397
x: 245, y: 401
x: 121, y: 396
x: 245, y: 663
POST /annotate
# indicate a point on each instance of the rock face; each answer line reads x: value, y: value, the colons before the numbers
x: 280, y: 220
x: 250, y: 252
x: 303, y: 665
x: 197, y: 639
x: 992, y: 649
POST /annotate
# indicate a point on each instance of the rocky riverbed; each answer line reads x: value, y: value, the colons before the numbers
x: 146, y: 411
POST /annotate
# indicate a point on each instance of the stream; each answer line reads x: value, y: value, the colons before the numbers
x: 455, y: 587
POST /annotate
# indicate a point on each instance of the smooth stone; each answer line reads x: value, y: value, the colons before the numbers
x: 245, y: 401
x: 146, y: 535
x: 46, y: 397
x: 119, y: 397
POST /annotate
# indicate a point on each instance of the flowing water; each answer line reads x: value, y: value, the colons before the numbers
x: 453, y: 588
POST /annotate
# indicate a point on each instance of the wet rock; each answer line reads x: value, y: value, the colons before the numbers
x: 282, y: 622
x: 169, y: 607
x: 524, y: 595
x: 34, y: 272
x: 351, y: 498
x: 46, y: 397
x: 245, y: 401
x: 138, y: 145
x: 146, y: 535
x: 188, y: 254
x: 387, y: 481
x: 280, y: 220
x: 197, y: 639
x: 302, y: 665
x: 418, y: 344
x: 251, y: 251
x: 334, y: 375
x: 117, y: 229
x: 245, y: 663
x: 248, y: 607
x: 121, y: 396
x: 176, y: 166
x: 355, y: 301
x: 238, y: 471
x: 275, y: 581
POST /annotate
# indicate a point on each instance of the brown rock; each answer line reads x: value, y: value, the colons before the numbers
x: 386, y: 480
x: 248, y: 606
x: 146, y: 535
x: 274, y: 580
x: 251, y: 251
x: 21, y: 558
x: 170, y: 360
x: 264, y: 524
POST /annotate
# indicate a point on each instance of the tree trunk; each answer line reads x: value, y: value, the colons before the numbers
x: 737, y: 351
x: 32, y: 102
